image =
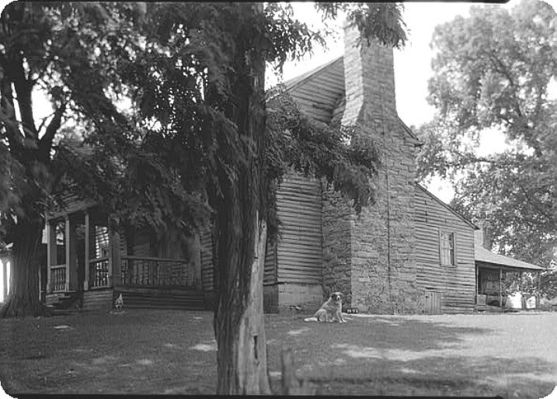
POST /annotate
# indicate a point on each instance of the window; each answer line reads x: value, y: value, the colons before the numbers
x: 447, y: 251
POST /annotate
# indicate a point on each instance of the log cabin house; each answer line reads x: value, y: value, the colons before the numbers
x: 407, y: 253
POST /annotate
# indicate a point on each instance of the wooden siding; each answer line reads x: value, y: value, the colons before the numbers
x: 456, y: 284
x: 207, y: 269
x: 270, y: 272
x: 318, y: 95
x: 299, y: 249
x: 98, y: 299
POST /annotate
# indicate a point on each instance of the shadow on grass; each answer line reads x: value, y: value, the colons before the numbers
x: 460, y: 376
x: 381, y: 333
x: 138, y: 351
x: 408, y: 356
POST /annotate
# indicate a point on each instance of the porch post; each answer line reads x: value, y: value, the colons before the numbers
x: 68, y: 252
x: 87, y: 243
x: 477, y: 283
x: 50, y: 253
x: 110, y: 255
x: 500, y: 287
x: 115, y: 256
x: 73, y: 264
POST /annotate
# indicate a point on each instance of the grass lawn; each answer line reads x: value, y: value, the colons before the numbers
x: 174, y: 352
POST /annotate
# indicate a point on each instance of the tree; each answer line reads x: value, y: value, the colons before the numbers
x: 222, y: 51
x: 491, y: 73
x: 39, y: 44
x: 198, y: 125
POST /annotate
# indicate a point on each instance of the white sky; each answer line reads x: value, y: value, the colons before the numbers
x: 412, y: 65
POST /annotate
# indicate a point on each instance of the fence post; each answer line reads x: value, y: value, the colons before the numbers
x: 290, y: 385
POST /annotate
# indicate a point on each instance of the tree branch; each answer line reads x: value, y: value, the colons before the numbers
x: 45, y: 143
x: 23, y: 88
x: 7, y: 110
x: 529, y: 199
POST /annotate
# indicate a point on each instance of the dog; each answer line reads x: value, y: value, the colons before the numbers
x: 119, y: 303
x: 330, y: 310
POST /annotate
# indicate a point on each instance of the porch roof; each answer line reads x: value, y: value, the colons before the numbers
x: 484, y: 255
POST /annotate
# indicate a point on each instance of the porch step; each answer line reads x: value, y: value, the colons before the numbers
x: 69, y: 301
x: 186, y: 300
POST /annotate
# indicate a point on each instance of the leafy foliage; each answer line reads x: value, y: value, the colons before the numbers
x: 160, y: 116
x: 491, y: 74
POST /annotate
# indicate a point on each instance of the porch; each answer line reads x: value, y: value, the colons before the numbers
x: 496, y: 281
x: 89, y: 263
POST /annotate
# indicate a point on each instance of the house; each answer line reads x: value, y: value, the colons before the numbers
x: 407, y: 253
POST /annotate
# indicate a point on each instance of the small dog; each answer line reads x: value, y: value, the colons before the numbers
x: 119, y: 303
x: 330, y: 310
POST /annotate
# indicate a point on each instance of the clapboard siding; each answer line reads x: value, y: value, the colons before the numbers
x: 455, y: 283
x: 207, y: 269
x: 98, y: 299
x: 318, y: 95
x: 299, y: 248
x: 270, y: 272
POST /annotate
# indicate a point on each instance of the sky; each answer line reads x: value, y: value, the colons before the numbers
x: 412, y: 66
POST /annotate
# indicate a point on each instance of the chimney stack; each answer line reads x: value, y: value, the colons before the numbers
x: 483, y: 236
x: 369, y: 79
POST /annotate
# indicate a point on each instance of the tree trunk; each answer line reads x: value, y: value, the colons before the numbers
x: 240, y: 332
x: 24, y: 299
x: 241, y: 233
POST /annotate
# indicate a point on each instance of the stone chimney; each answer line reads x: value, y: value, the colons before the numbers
x: 483, y: 235
x: 371, y: 255
x: 369, y: 79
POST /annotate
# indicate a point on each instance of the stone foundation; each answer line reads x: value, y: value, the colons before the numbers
x: 270, y: 299
x: 309, y: 297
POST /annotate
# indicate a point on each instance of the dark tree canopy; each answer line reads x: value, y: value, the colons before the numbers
x: 491, y: 73
x: 160, y: 116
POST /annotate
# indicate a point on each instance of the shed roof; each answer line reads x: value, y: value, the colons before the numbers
x: 484, y: 255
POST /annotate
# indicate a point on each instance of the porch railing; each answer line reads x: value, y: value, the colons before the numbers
x: 58, y: 278
x: 156, y: 272
x: 99, y: 273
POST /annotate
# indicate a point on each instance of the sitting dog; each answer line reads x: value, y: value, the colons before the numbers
x: 119, y: 302
x: 330, y: 310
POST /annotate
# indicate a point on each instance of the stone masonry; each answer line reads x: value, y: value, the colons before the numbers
x: 337, y: 248
x: 374, y: 251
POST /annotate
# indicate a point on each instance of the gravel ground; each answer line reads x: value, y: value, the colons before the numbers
x: 172, y: 352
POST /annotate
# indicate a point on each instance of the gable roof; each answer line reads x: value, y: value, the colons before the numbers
x: 448, y: 207
x: 482, y: 254
x: 320, y: 93
x: 300, y: 79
